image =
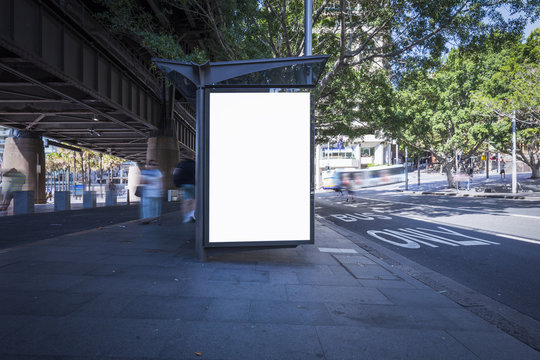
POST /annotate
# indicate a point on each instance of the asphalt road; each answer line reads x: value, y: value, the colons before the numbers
x: 489, y: 245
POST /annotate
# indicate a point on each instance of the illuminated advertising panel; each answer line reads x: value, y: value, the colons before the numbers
x: 259, y: 168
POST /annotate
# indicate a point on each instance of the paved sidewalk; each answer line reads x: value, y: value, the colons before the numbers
x: 130, y: 291
x: 494, y: 186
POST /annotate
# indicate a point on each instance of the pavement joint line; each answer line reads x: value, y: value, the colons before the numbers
x: 338, y: 251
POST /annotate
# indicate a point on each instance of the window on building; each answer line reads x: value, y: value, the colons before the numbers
x: 366, y: 152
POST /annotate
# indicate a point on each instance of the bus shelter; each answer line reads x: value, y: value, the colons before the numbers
x: 254, y: 149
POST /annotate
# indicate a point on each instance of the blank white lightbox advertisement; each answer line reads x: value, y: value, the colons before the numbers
x: 259, y: 167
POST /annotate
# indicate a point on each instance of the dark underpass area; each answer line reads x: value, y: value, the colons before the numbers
x: 23, y: 229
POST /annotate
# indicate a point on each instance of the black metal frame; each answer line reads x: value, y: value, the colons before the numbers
x: 196, y: 82
x: 206, y: 169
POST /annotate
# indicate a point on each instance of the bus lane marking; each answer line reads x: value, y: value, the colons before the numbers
x: 363, y: 216
x: 412, y: 238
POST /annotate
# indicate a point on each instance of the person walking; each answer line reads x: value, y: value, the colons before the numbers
x: 184, y: 178
x: 469, y: 177
x: 503, y: 173
x: 13, y: 180
x: 152, y: 193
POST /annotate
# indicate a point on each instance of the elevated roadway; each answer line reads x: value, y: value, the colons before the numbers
x: 64, y: 77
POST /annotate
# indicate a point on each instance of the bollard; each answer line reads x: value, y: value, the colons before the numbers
x: 110, y: 198
x: 172, y: 195
x: 62, y: 200
x: 89, y: 199
x: 127, y: 196
x: 23, y: 202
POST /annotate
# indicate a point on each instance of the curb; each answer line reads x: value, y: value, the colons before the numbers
x: 520, y: 326
x: 497, y: 196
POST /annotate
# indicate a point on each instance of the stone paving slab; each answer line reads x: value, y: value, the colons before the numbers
x: 489, y: 345
x: 137, y: 292
x: 244, y: 341
x: 357, y: 343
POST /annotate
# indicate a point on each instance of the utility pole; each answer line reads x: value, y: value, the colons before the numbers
x: 406, y: 164
x: 487, y: 161
x: 514, y: 164
x: 308, y: 24
x: 418, y: 170
x: 418, y: 162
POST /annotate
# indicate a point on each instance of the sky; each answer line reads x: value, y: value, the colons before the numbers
x: 530, y: 27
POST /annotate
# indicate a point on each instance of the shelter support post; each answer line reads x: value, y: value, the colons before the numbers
x: 200, y: 252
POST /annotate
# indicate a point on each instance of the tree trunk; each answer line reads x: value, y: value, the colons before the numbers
x: 449, y: 176
x: 535, y: 172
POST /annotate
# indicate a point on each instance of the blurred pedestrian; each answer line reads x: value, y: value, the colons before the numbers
x: 13, y: 180
x: 184, y: 178
x: 152, y: 193
x: 503, y: 173
x: 469, y: 176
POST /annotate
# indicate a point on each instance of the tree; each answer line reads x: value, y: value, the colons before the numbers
x: 354, y: 104
x: 514, y: 90
x: 58, y: 160
x: 360, y: 36
x: 436, y: 112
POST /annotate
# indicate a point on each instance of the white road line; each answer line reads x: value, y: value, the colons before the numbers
x: 453, y: 208
x: 512, y: 237
x: 525, y: 216
x: 478, y: 230
x: 422, y: 219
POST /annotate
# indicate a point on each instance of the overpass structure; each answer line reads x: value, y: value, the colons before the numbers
x: 64, y: 77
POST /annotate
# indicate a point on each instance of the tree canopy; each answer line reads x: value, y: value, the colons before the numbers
x: 367, y: 41
x: 436, y: 111
x: 514, y: 90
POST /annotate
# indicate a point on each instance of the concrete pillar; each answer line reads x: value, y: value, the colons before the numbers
x: 25, y: 154
x: 89, y: 199
x: 134, y: 179
x: 164, y: 150
x: 110, y: 198
x: 62, y: 200
x: 23, y: 202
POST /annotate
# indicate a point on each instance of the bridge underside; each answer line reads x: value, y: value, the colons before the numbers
x: 36, y: 100
x: 63, y: 77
